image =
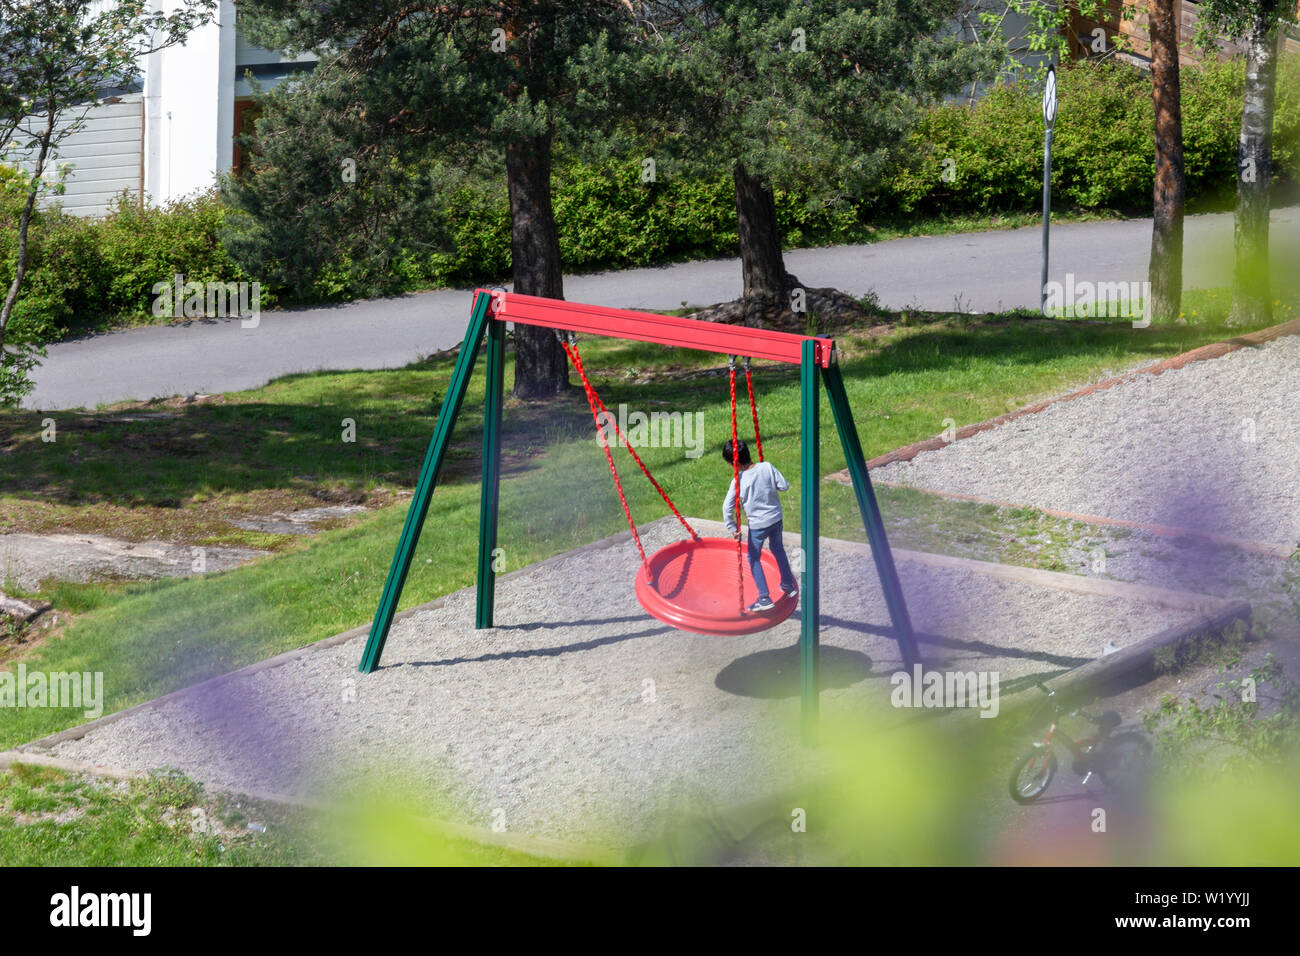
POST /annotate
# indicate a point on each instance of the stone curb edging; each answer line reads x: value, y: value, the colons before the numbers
x: 1090, y: 677
x: 1269, y: 549
x: 1082, y: 682
x: 1212, y: 351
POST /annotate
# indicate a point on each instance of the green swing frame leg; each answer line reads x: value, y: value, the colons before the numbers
x: 433, y: 459
x: 810, y: 531
x: 490, y: 493
x: 871, y: 518
x: 810, y: 524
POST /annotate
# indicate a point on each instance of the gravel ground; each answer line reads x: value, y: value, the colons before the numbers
x: 581, y: 718
x: 1213, y: 446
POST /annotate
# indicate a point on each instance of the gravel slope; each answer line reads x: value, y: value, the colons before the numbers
x: 1213, y: 446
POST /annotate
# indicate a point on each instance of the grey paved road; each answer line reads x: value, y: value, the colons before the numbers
x: 980, y: 271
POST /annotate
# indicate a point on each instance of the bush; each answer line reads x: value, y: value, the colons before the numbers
x: 141, y: 245
x: 1103, y: 152
x: 609, y: 219
x: 1102, y: 161
x: 88, y: 273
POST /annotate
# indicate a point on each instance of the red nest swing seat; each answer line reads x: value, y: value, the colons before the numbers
x: 679, y: 585
x: 698, y: 584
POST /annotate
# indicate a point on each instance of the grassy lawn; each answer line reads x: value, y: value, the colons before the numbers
x: 182, y: 471
x: 52, y: 818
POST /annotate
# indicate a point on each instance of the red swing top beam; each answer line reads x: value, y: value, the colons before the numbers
x: 648, y: 327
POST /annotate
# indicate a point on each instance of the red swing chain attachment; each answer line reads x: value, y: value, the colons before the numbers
x: 753, y: 409
x: 735, y: 477
x: 735, y: 459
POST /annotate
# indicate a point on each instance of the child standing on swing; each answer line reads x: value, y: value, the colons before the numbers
x: 760, y: 487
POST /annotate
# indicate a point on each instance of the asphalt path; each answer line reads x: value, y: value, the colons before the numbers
x: 981, y: 272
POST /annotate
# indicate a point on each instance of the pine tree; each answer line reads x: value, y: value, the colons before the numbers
x: 423, y: 79
x: 808, y: 94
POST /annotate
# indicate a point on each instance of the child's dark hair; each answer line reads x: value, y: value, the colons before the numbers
x: 742, y: 452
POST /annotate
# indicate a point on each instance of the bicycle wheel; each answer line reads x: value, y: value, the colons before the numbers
x: 1032, y: 775
x: 1122, y: 765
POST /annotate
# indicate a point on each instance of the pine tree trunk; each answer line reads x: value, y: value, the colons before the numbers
x: 1251, y: 299
x: 1166, y: 269
x: 541, y: 369
x: 767, y: 283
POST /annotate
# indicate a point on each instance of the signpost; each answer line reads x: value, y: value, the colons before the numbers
x: 1049, y: 120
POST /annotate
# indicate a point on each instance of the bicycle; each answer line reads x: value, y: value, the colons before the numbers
x: 1117, y: 759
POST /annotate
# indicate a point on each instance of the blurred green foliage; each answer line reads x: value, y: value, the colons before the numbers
x: 920, y: 794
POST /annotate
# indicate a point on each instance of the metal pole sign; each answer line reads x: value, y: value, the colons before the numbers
x: 1049, y: 120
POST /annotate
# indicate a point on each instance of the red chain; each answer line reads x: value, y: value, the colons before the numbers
x: 598, y: 407
x: 735, y: 477
x: 592, y: 402
x: 631, y: 451
x: 753, y: 408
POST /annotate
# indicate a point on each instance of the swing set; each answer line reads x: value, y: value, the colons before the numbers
x: 697, y: 584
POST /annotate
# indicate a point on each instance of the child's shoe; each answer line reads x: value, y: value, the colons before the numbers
x: 762, y: 604
x: 791, y: 591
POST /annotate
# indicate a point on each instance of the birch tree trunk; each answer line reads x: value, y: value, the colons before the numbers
x: 1251, y: 298
x: 24, y: 225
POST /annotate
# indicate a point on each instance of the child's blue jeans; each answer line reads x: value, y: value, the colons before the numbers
x: 772, y: 535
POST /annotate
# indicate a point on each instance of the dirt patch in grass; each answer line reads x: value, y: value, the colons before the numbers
x: 19, y: 642
x: 200, y: 521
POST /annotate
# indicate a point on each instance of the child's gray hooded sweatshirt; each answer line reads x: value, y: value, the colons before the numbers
x: 758, y: 496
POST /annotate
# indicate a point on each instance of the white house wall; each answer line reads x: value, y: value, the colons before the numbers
x: 104, y: 156
x: 191, y: 109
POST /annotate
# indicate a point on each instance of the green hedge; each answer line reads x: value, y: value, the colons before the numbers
x: 1102, y: 161
x: 609, y: 218
x: 1103, y: 144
